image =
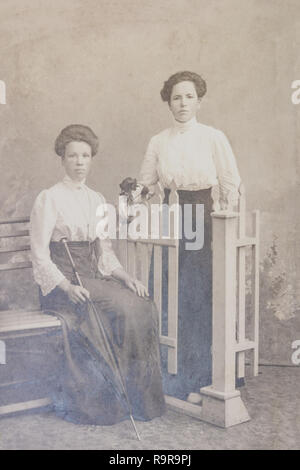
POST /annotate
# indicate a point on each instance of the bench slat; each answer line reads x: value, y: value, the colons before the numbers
x: 18, y: 320
x: 25, y: 312
x: 24, y: 319
x: 25, y: 405
x: 13, y: 266
x: 14, y: 220
x: 8, y: 316
x: 15, y: 250
x: 15, y: 233
x: 30, y: 325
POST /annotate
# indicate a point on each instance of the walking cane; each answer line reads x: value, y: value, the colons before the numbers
x: 107, y: 343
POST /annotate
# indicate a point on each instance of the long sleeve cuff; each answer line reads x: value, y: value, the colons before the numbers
x: 47, y: 276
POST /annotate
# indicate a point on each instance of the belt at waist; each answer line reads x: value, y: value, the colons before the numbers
x: 85, y: 256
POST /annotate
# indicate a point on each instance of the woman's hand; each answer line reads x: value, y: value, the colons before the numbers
x: 133, y: 284
x: 136, y: 286
x: 76, y: 294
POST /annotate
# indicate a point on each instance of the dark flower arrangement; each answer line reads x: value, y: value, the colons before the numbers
x: 132, y: 193
x: 133, y: 190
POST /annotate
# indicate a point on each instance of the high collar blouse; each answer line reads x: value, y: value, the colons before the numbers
x: 72, y: 210
x: 194, y: 156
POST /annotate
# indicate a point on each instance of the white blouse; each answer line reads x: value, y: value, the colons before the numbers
x: 194, y: 156
x: 72, y: 210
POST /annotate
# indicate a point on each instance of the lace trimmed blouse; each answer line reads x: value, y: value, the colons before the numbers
x: 194, y: 156
x: 72, y: 210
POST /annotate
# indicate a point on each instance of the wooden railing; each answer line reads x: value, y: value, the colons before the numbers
x: 136, y: 257
x: 222, y: 404
x: 242, y: 243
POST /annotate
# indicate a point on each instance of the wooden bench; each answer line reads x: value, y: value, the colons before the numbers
x: 30, y: 339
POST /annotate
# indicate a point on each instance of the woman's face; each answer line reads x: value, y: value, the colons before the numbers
x: 77, y: 160
x: 184, y: 101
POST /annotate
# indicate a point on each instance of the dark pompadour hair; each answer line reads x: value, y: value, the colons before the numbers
x: 77, y: 133
x: 178, y: 77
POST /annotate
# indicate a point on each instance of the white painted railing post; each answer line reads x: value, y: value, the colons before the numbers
x: 222, y: 404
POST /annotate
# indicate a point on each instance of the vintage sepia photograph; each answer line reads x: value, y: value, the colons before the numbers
x: 149, y: 246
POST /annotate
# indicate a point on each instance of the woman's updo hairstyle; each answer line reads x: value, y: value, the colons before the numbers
x: 76, y: 133
x: 178, y: 77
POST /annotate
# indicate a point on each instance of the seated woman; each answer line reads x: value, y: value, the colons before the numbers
x: 89, y: 389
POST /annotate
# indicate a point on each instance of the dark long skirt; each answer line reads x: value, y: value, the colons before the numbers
x: 88, y: 390
x: 194, y: 305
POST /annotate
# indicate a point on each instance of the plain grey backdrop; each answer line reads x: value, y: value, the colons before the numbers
x: 102, y: 63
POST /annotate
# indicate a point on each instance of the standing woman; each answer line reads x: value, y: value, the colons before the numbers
x: 199, y: 159
x: 89, y: 391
